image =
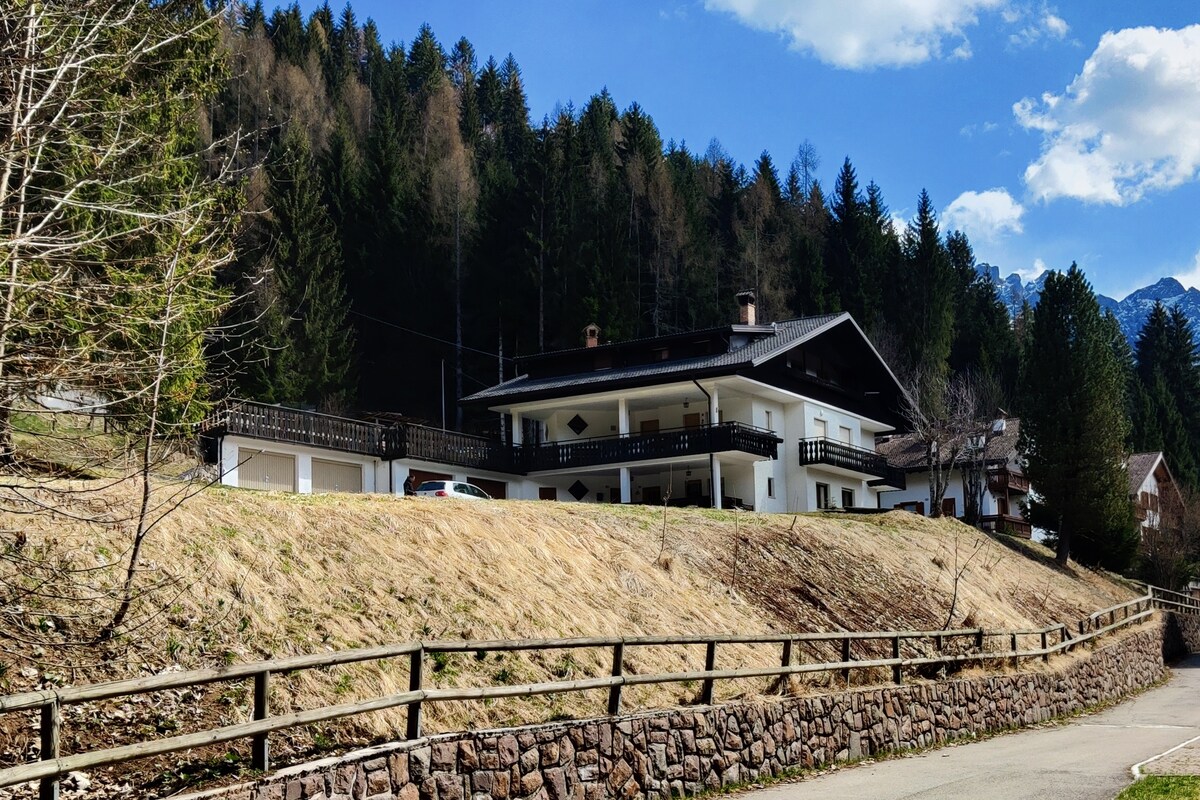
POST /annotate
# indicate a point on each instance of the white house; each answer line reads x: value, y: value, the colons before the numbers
x: 776, y: 417
x: 1152, y: 488
x: 993, y: 454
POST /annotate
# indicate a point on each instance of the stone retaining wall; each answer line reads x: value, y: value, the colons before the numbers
x: 685, y: 752
x: 1182, y: 635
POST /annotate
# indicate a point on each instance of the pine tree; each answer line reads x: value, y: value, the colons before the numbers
x: 1073, y: 427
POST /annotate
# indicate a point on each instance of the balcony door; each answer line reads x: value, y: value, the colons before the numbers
x: 820, y: 429
x: 649, y: 426
x: 691, y: 420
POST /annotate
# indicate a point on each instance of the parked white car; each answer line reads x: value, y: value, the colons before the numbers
x: 455, y: 489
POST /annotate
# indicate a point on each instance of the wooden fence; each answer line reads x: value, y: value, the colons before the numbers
x: 53, y: 764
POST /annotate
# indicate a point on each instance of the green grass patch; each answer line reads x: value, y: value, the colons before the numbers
x: 1163, y: 787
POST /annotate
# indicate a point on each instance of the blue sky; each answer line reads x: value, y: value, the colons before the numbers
x: 1050, y: 133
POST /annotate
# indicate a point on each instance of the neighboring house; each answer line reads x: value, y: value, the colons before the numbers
x: 778, y: 417
x: 1005, y: 486
x: 1151, y: 487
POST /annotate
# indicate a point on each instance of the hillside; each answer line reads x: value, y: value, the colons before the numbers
x: 245, y: 576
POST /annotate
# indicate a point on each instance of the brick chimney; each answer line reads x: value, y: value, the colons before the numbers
x: 591, y: 335
x: 746, y: 308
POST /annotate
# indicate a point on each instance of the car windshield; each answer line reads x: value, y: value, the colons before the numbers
x: 431, y: 486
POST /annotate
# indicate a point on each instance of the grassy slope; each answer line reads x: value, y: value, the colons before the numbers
x: 254, y: 575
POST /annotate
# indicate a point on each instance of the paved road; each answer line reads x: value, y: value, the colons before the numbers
x: 1088, y: 759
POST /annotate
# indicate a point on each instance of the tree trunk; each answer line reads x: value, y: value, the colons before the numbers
x: 1064, y: 545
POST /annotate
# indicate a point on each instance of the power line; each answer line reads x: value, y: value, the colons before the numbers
x: 428, y: 336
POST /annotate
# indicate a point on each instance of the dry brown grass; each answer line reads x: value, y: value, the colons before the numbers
x: 251, y: 576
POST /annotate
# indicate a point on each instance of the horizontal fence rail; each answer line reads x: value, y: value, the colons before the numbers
x: 53, y: 765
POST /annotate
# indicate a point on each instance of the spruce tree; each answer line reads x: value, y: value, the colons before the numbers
x: 309, y: 359
x: 925, y: 320
x: 1073, y: 427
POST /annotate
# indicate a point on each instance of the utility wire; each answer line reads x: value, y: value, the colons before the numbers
x: 428, y: 336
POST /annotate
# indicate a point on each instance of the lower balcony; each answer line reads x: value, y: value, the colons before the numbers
x: 1006, y: 523
x: 672, y: 443
x: 862, y: 463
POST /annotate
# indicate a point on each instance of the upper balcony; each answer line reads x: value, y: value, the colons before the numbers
x: 671, y: 443
x: 1004, y: 481
x: 298, y: 427
x: 862, y: 463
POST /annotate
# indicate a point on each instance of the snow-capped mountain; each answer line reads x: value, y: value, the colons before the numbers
x: 1131, y: 312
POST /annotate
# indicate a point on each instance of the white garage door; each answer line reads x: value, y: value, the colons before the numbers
x: 336, y: 476
x: 258, y: 469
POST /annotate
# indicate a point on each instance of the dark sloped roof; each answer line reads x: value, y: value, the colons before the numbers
x: 908, y: 452
x: 766, y: 343
x: 1139, y: 466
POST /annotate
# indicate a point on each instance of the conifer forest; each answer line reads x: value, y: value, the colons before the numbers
x: 400, y: 229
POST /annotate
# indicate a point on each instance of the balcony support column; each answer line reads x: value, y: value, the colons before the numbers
x: 626, y: 486
x: 622, y: 416
x: 714, y: 407
x: 715, y: 464
x: 517, y: 428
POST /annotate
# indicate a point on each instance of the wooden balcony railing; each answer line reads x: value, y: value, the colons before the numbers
x: 1003, y: 481
x: 701, y: 440
x: 1006, y: 523
x: 294, y: 426
x: 450, y: 447
x: 855, y: 459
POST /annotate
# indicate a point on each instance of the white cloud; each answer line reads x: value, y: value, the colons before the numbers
x: 1128, y: 124
x: 1042, y: 24
x: 969, y: 131
x: 987, y: 215
x: 861, y: 34
x: 1191, y: 278
x: 1034, y: 272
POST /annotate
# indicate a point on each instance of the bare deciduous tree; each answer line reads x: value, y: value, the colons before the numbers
x: 115, y: 216
x: 943, y: 415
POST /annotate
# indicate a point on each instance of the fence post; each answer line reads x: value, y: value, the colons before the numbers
x: 1045, y: 645
x: 51, y: 736
x: 897, y: 676
x: 416, y: 665
x: 614, y: 691
x: 710, y: 663
x: 1016, y: 658
x: 846, y: 657
x: 259, y: 750
x: 979, y: 634
x: 939, y: 642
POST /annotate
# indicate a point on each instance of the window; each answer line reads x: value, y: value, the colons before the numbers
x: 845, y: 434
x: 770, y: 487
x: 847, y: 498
x: 822, y: 495
x: 820, y: 429
x: 949, y: 507
x: 769, y: 426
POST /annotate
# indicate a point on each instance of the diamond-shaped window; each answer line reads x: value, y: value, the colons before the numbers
x: 578, y: 490
x: 577, y: 424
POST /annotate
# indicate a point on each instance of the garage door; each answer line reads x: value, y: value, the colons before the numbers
x: 336, y: 476
x: 258, y: 469
x: 497, y: 489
